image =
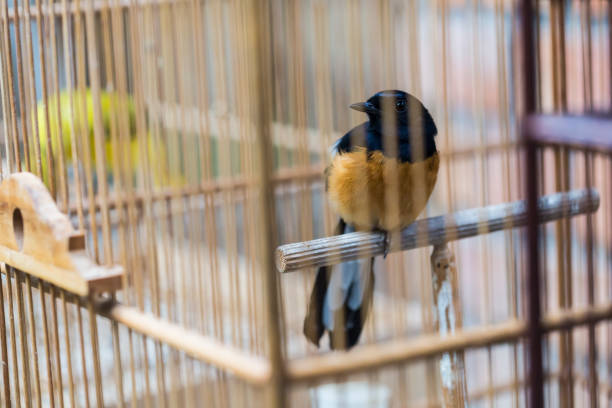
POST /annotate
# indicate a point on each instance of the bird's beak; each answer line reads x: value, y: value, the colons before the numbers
x: 364, y: 107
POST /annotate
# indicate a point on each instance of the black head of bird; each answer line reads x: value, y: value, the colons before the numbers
x: 396, y: 116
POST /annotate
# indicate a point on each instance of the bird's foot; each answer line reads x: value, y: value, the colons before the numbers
x: 386, y: 242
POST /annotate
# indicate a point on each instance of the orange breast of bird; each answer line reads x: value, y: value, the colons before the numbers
x: 373, y: 191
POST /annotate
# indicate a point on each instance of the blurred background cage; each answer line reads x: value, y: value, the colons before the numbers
x: 188, y: 139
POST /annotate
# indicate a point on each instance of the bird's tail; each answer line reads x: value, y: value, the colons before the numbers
x: 340, y: 300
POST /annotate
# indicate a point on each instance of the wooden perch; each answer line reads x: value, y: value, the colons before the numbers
x: 433, y: 231
x: 36, y: 238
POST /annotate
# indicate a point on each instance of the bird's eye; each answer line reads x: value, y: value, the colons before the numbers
x: 400, y: 105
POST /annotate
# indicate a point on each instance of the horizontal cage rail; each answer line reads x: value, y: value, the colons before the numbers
x: 589, y: 133
x: 250, y: 368
x: 405, y: 350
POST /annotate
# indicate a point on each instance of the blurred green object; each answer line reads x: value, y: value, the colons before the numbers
x: 168, y: 153
x: 111, y: 103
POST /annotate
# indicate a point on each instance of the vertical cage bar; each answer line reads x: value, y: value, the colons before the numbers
x: 32, y: 324
x: 70, y: 378
x: 10, y: 80
x: 5, y: 366
x: 13, y: 331
x: 533, y: 362
x: 47, y: 346
x: 592, y: 344
x: 56, y: 345
x: 260, y: 19
x: 84, y: 377
x: 21, y: 92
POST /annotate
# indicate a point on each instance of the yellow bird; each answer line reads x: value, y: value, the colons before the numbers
x: 82, y: 121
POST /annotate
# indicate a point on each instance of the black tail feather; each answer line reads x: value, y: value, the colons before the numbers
x: 347, y: 322
x: 313, y: 323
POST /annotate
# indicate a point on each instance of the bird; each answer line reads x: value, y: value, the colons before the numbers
x: 380, y: 178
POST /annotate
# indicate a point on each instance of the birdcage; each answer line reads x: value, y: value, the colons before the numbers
x: 163, y: 206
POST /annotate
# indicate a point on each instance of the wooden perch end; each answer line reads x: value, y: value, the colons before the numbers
x: 36, y: 238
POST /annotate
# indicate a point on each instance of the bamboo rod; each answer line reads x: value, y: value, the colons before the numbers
x: 401, y: 351
x: 10, y: 79
x: 22, y: 96
x: 433, y: 231
x: 6, y: 382
x: 32, y: 327
x: 70, y: 379
x: 50, y: 36
x: 132, y: 367
x: 84, y: 375
x: 98, y: 137
x: 56, y: 344
x: 7, y: 163
x: 12, y: 330
x: 23, y: 338
x: 250, y: 368
x: 68, y: 43
x: 258, y: 18
x: 42, y: 61
x: 47, y: 342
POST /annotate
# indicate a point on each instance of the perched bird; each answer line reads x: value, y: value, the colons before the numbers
x: 380, y: 178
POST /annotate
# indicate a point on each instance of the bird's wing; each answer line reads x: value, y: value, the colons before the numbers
x: 356, y: 137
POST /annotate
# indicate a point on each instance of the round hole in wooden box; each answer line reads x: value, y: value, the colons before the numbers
x: 18, y: 227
